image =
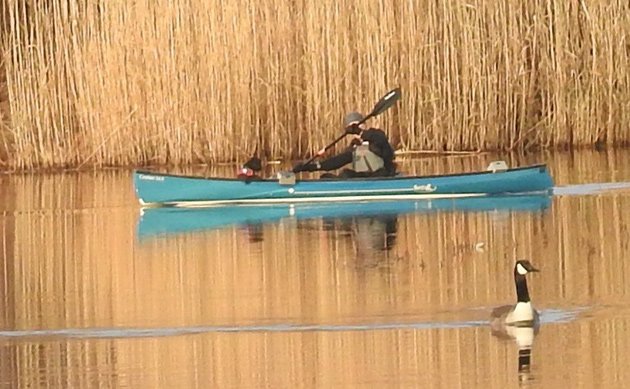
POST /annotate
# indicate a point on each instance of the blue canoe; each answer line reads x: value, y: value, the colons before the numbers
x: 168, y: 220
x: 158, y: 189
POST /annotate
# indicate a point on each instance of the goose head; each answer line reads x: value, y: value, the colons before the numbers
x: 522, y: 313
x: 522, y: 267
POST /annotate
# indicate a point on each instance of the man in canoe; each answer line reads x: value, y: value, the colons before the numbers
x: 370, y: 154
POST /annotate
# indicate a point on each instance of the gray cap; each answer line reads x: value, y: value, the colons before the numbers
x: 352, y: 117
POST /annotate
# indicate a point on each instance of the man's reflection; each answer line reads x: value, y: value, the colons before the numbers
x: 254, y: 232
x: 372, y: 236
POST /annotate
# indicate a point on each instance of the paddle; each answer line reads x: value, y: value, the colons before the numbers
x: 383, y: 104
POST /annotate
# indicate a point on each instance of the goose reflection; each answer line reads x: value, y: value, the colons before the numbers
x: 519, y: 322
x: 524, y: 337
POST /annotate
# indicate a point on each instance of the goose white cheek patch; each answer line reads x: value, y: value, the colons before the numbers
x: 521, y: 269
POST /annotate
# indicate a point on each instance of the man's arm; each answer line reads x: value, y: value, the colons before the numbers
x: 337, y: 161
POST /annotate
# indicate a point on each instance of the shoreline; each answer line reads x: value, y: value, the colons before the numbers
x: 400, y: 155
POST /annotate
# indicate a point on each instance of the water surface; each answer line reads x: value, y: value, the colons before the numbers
x: 399, y: 300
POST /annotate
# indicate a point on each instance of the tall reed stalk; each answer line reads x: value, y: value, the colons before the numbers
x: 97, y: 83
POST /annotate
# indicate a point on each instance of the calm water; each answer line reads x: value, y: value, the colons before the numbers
x: 91, y: 295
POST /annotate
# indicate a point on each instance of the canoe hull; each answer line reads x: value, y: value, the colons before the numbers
x: 166, y: 189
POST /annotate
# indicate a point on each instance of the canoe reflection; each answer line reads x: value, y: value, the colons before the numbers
x: 160, y: 221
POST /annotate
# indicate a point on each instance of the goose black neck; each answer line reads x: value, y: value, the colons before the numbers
x: 522, y: 293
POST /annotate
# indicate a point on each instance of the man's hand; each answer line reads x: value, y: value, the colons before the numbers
x: 356, y: 140
x: 353, y: 129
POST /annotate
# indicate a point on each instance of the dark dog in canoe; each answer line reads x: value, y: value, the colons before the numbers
x: 249, y: 171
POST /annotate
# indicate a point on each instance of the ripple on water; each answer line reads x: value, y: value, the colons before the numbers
x: 547, y: 316
x: 590, y: 189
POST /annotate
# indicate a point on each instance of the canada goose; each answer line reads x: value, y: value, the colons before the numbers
x: 522, y: 314
x: 518, y: 322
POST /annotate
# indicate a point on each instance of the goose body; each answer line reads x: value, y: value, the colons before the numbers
x: 520, y: 314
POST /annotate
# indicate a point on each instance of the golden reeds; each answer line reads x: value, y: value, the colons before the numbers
x: 155, y: 81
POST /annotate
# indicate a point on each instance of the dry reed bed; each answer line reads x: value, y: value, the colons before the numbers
x: 156, y: 81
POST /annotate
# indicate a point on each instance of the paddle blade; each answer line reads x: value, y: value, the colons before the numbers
x: 385, y: 102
